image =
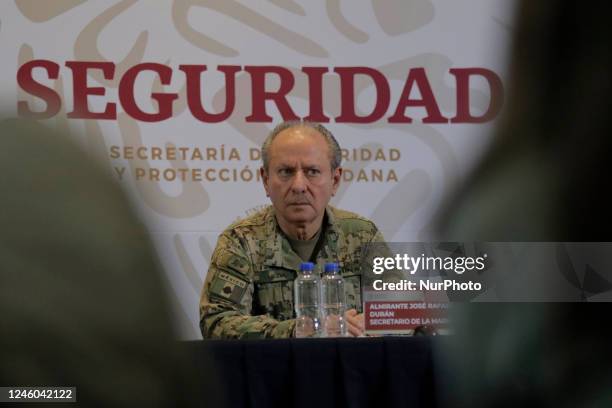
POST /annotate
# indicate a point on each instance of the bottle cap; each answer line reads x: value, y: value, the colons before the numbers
x: 331, y: 267
x: 306, y: 267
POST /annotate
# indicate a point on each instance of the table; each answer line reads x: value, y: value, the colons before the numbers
x: 348, y: 372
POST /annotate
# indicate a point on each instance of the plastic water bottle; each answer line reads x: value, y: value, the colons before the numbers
x: 334, y: 303
x: 307, y: 302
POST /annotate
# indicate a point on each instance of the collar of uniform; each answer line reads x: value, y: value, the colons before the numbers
x: 278, y: 250
x: 328, y: 252
x: 332, y: 231
x: 280, y: 254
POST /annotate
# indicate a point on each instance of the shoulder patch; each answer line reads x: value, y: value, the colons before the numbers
x: 228, y: 286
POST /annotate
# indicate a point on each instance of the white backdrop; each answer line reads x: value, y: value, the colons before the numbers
x: 185, y: 217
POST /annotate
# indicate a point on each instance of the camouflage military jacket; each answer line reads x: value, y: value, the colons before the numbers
x: 248, y: 292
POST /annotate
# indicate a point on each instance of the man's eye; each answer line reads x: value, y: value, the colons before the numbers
x: 284, y: 172
x: 313, y: 172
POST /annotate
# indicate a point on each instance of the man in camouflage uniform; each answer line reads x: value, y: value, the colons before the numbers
x: 248, y: 292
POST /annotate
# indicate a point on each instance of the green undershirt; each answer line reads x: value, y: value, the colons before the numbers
x: 304, y: 248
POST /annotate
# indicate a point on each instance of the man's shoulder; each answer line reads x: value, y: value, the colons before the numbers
x: 255, y: 224
x: 351, y: 222
x: 244, y: 235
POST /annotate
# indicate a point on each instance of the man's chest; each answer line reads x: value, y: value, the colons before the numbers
x: 274, y: 291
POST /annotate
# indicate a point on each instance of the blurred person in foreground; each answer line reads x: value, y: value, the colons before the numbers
x: 544, y: 179
x: 248, y: 292
x: 81, y: 293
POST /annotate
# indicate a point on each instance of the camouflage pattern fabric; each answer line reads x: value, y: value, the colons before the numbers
x: 248, y: 292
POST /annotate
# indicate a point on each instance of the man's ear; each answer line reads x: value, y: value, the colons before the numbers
x: 336, y: 177
x: 264, y: 178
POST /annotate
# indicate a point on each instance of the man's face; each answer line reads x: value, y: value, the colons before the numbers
x: 299, y: 179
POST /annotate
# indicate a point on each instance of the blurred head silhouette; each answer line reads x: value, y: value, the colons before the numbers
x: 544, y: 179
x: 81, y: 293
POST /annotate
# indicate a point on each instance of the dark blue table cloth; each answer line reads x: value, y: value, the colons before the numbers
x: 348, y: 372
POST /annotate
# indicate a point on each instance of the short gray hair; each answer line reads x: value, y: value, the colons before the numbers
x: 335, y: 154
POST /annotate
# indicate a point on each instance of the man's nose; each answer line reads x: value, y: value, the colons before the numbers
x: 299, y: 182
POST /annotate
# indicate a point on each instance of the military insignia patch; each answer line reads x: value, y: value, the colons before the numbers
x: 228, y: 287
